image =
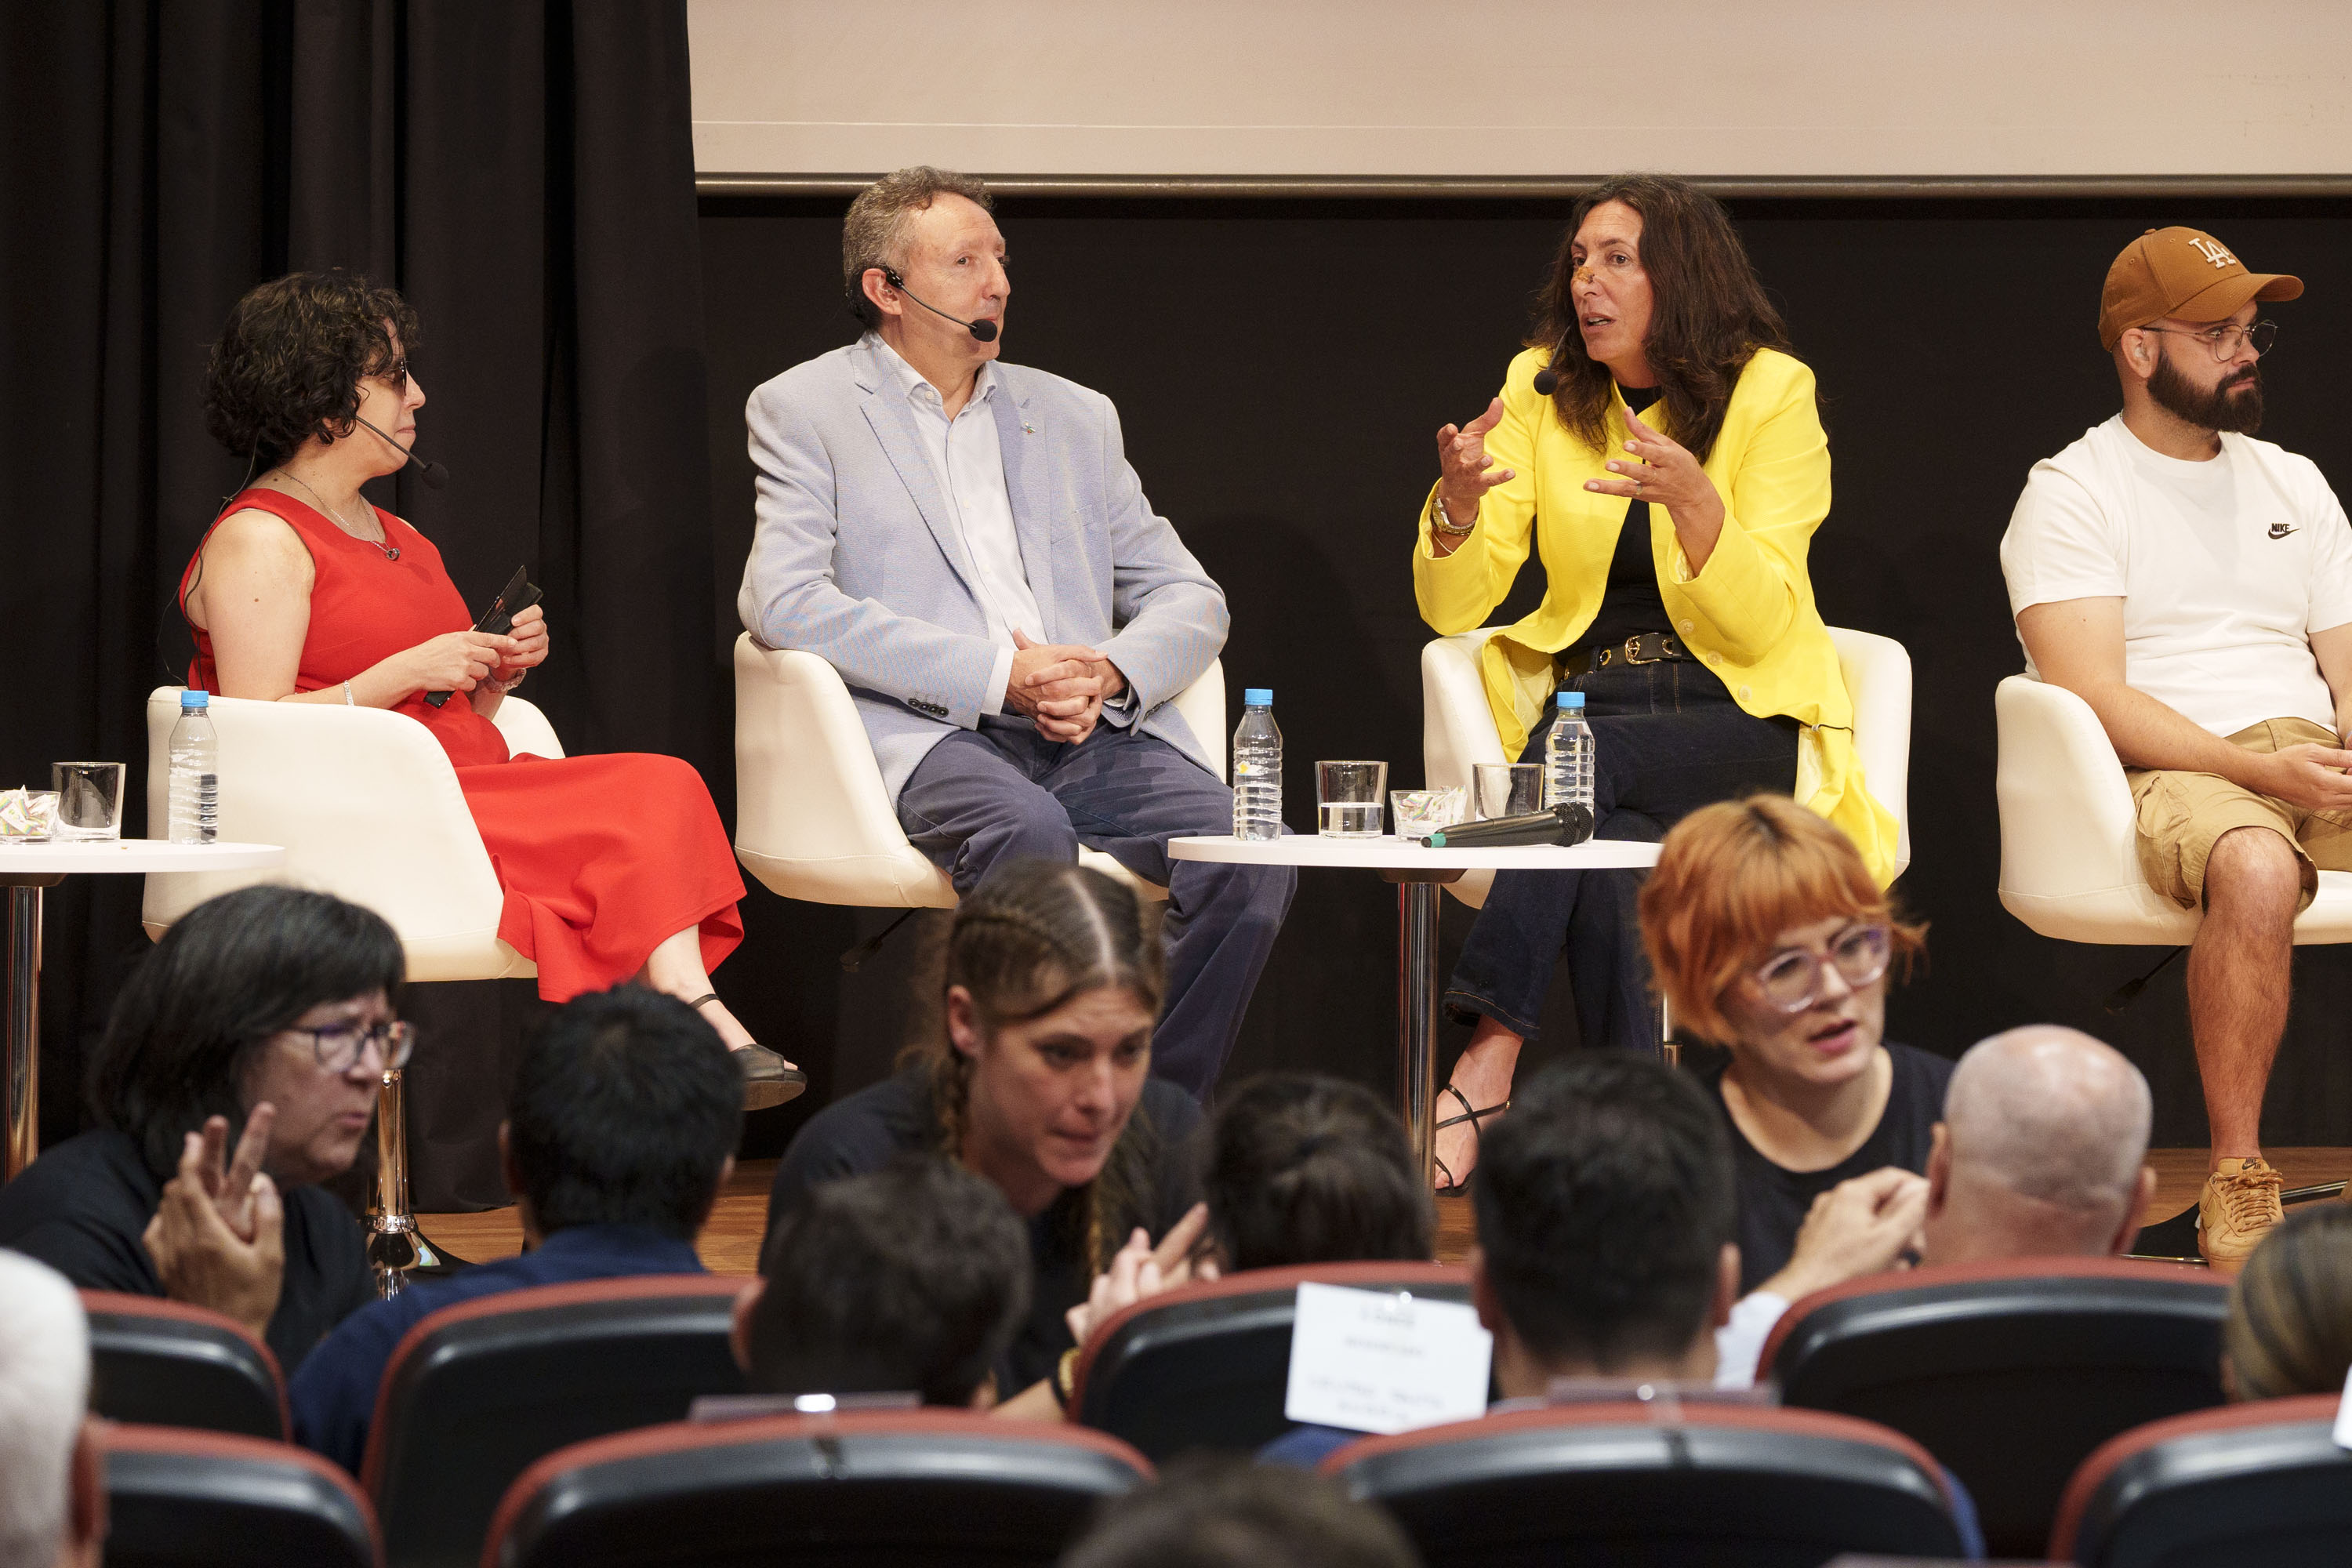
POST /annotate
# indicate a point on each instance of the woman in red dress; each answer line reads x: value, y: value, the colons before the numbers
x: 614, y: 868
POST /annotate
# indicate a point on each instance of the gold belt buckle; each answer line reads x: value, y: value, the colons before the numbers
x: 1634, y: 653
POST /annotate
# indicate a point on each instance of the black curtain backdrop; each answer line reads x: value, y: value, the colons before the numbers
x: 1280, y: 368
x: 524, y: 173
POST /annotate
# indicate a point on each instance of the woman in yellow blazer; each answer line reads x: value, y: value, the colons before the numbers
x: 1670, y: 481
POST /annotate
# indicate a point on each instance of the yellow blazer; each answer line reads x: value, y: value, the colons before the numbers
x: 1750, y: 615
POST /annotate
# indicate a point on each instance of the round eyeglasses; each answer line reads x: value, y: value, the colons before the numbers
x: 341, y: 1047
x: 2226, y: 338
x: 1791, y: 980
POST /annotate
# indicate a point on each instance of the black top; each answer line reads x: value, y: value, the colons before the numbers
x: 1632, y: 602
x: 1773, y: 1201
x: 869, y: 1129
x: 83, y: 1206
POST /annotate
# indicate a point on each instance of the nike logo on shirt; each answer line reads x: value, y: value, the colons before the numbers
x: 2281, y: 529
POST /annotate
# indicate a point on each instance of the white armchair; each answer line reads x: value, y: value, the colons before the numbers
x: 1457, y: 730
x: 811, y: 819
x: 2069, y: 842
x: 368, y: 809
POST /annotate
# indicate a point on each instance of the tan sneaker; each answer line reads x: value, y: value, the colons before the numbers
x: 2236, y: 1210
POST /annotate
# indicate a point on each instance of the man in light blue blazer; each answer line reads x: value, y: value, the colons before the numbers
x: 964, y: 540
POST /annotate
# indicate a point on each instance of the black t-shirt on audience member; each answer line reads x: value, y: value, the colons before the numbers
x: 869, y: 1129
x: 1773, y: 1201
x: 1631, y: 603
x: 83, y: 1206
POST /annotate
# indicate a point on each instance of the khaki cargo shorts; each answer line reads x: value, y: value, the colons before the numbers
x: 2182, y: 813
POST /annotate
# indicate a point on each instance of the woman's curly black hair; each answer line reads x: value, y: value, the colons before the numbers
x: 288, y: 365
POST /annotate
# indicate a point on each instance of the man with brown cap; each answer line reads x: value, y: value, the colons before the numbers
x: 2194, y: 586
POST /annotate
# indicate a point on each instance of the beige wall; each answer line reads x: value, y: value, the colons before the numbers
x: 1524, y: 87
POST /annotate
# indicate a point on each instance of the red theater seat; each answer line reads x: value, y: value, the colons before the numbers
x: 2262, y: 1483
x: 477, y: 1391
x: 887, y: 1489
x: 165, y: 1363
x: 2008, y: 1373
x: 1206, y: 1366
x: 178, y: 1497
x: 1725, y: 1486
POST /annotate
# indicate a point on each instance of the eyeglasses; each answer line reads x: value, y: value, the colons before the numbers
x: 341, y: 1047
x: 396, y: 374
x: 2227, y: 337
x: 1791, y: 980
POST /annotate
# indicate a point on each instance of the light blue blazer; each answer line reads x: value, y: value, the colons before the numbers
x: 857, y: 560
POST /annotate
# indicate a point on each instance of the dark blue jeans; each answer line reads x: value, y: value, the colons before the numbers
x: 1003, y: 793
x: 1667, y: 738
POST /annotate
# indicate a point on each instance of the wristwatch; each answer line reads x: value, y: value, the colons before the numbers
x: 1440, y: 520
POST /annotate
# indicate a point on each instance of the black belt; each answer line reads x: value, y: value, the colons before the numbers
x: 1648, y: 647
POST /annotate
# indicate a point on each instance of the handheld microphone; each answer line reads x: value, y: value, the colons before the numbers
x: 436, y: 476
x: 981, y: 331
x: 1561, y: 825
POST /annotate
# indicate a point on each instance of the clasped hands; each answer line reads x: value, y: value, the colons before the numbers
x: 1060, y: 687
x: 459, y: 662
x: 218, y: 1237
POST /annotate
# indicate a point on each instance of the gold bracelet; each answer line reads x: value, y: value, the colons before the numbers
x: 1442, y: 521
x: 1066, y: 1377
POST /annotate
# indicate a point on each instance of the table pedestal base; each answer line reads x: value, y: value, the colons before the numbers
x: 394, y: 1243
x: 1417, y: 987
x: 20, y: 1055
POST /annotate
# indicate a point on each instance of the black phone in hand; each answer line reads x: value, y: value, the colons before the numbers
x: 520, y: 595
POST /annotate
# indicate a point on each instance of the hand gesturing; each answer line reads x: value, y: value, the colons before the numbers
x: 1465, y: 472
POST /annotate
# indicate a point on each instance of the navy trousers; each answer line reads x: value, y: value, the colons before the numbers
x: 1667, y: 738
x: 1003, y: 793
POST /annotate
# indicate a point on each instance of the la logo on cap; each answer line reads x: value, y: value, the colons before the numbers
x: 2212, y: 250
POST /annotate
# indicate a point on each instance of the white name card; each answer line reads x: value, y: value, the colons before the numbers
x: 2343, y: 1411
x: 1377, y: 1361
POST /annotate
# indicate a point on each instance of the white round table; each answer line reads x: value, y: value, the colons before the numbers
x: 1418, y: 872
x: 24, y: 870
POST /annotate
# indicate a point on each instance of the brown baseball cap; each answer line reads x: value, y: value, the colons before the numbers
x: 2182, y: 272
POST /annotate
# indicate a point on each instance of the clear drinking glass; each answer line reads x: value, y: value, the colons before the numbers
x: 1348, y: 798
x: 1507, y: 789
x: 89, y: 799
x: 1418, y: 813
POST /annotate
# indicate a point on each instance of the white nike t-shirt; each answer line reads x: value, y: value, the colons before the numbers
x: 2225, y: 569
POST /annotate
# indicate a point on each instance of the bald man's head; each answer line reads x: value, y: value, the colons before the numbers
x: 2050, y: 1113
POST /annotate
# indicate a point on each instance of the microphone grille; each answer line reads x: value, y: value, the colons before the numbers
x: 1547, y: 381
x: 985, y: 332
x: 436, y: 476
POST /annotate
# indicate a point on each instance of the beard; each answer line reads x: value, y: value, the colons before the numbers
x: 2235, y: 403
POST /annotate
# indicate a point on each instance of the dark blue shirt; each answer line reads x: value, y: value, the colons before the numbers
x: 333, y: 1394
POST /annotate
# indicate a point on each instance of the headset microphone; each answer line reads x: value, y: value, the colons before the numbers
x: 1547, y: 381
x: 982, y: 331
x: 436, y: 476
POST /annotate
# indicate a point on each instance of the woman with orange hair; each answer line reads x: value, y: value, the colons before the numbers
x: 1771, y: 943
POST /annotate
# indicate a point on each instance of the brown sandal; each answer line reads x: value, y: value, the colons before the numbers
x: 767, y: 1081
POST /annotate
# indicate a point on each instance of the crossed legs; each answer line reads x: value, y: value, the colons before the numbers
x: 2238, y: 980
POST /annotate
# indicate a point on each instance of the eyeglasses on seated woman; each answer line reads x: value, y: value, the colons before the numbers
x: 1771, y: 945
x: 239, y: 1071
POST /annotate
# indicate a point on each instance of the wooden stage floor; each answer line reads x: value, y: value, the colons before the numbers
x: 729, y: 1244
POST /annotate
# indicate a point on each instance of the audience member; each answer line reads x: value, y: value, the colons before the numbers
x: 1043, y: 1087
x: 1605, y: 1216
x: 2039, y: 1155
x: 620, y: 1131
x: 1206, y: 1512
x: 2290, y: 1324
x: 911, y: 1279
x: 269, y: 1009
x: 52, y: 1471
x: 1772, y: 943
x: 1301, y: 1169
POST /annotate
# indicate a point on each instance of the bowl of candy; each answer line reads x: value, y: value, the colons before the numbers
x: 1418, y: 813
x: 27, y: 815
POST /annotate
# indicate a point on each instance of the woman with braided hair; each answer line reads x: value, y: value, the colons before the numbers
x: 1041, y: 1083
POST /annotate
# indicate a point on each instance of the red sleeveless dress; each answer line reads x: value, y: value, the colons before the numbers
x: 600, y: 856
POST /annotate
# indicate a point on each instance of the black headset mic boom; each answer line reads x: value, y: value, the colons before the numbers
x: 981, y: 331
x: 436, y: 476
